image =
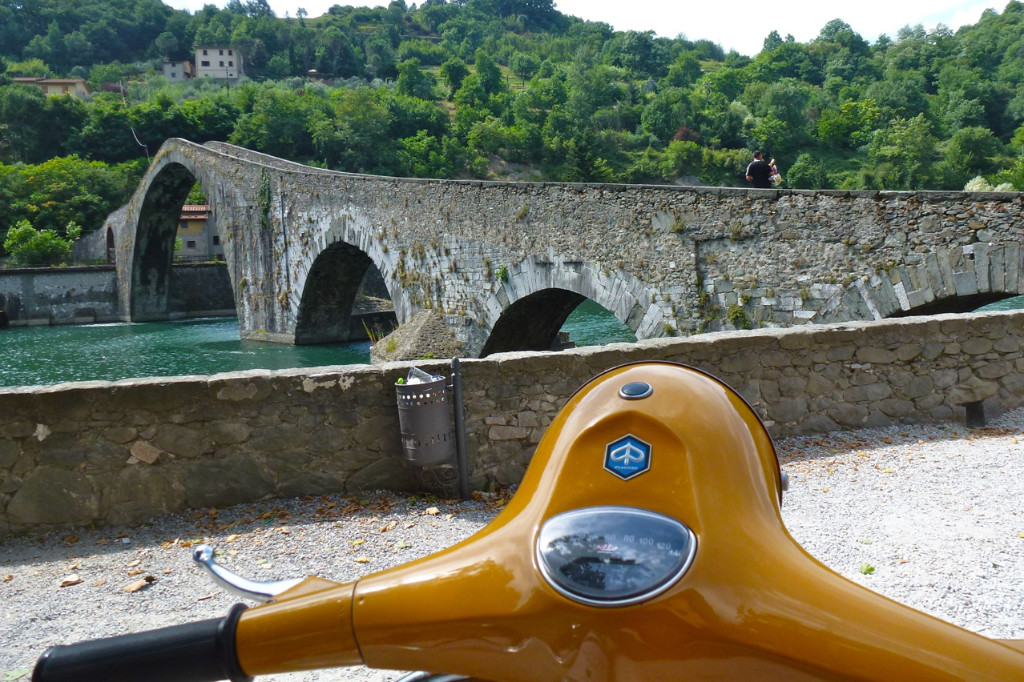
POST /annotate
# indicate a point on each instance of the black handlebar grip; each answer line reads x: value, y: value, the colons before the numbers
x: 195, y: 652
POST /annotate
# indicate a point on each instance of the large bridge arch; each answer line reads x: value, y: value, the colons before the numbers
x: 144, y: 244
x: 154, y: 241
x: 537, y: 295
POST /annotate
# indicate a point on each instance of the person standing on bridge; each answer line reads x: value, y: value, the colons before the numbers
x: 759, y: 172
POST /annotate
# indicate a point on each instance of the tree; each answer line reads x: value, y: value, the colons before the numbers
x: 62, y: 190
x: 538, y: 14
x: 808, y: 172
x: 354, y: 135
x: 970, y: 152
x: 666, y: 113
x: 685, y: 70
x: 489, y: 74
x: 582, y: 164
x: 277, y: 124
x: 413, y: 81
x: 904, y: 153
x: 167, y: 44
x: 682, y: 158
x: 849, y: 126
x: 524, y: 64
x: 638, y: 53
x: 29, y: 247
x: 21, y: 111
x: 454, y: 71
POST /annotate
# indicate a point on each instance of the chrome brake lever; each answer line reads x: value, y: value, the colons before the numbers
x: 232, y: 582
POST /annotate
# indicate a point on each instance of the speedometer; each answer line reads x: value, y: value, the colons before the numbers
x: 613, y: 556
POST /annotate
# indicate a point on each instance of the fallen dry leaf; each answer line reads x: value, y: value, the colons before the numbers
x: 138, y: 572
x: 358, y: 542
x: 100, y: 583
x: 232, y: 537
x: 71, y: 580
x: 431, y: 511
x: 209, y: 596
x: 362, y: 559
x: 8, y: 578
x: 73, y: 567
x: 133, y: 564
x: 140, y: 584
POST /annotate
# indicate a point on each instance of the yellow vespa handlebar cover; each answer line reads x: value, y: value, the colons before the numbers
x: 752, y: 605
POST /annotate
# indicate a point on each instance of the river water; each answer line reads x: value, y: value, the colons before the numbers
x: 50, y: 355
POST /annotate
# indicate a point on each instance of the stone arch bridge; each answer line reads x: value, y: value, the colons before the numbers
x: 504, y: 264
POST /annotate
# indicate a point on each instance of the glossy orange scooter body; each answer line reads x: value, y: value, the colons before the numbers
x: 752, y: 604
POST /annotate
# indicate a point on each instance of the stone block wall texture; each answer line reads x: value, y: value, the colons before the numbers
x: 121, y: 452
x: 43, y: 296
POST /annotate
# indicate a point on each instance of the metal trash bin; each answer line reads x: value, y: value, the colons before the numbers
x: 425, y: 421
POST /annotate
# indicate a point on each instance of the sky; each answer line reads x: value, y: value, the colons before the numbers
x: 741, y: 25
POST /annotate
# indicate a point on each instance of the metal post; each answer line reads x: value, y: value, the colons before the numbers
x: 460, y: 431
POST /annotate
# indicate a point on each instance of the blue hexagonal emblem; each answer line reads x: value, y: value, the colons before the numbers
x: 627, y: 457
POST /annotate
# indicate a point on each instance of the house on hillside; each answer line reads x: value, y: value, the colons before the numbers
x: 224, y: 63
x: 76, y: 87
x: 178, y: 71
x: 200, y: 240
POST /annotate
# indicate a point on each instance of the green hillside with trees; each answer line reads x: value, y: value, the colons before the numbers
x: 498, y: 88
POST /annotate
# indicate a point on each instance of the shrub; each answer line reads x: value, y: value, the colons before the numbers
x: 28, y: 246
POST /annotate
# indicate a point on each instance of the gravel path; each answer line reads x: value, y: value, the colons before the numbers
x: 932, y: 516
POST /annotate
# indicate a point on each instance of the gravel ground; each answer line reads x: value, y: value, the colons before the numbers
x: 932, y: 516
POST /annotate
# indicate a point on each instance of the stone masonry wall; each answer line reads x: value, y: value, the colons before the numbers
x: 83, y: 295
x: 121, y: 452
x: 40, y: 296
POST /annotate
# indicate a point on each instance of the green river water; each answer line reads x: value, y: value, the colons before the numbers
x: 49, y: 355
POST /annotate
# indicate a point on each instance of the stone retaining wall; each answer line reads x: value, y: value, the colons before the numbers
x: 120, y: 452
x: 88, y: 294
x: 42, y: 296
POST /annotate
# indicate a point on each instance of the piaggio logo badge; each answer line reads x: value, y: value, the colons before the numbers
x: 627, y: 457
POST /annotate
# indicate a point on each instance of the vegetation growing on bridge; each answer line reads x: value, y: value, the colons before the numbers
x: 475, y: 88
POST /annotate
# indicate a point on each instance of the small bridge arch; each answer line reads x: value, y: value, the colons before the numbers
x: 953, y: 280
x: 537, y: 295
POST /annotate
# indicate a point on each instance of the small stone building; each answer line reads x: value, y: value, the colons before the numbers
x: 200, y: 240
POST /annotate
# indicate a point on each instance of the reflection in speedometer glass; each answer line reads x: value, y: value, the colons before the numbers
x: 611, y: 556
